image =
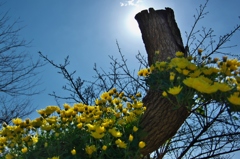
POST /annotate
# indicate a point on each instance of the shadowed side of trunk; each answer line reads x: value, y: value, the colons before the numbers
x: 160, y: 33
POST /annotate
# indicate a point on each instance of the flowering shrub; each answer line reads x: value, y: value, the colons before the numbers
x: 108, y: 130
x: 194, y: 80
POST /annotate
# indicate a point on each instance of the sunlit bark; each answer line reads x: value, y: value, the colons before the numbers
x: 160, y: 33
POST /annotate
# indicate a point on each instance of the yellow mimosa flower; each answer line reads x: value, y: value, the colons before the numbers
x: 90, y: 149
x: 192, y: 67
x: 144, y: 72
x: 50, y: 109
x: 188, y: 81
x: 104, y: 147
x: 9, y: 156
x: 175, y: 90
x: 73, y: 152
x: 17, y: 121
x: 223, y: 87
x: 209, y: 71
x: 185, y: 72
x: 196, y: 73
x: 138, y: 104
x: 97, y: 135
x: 172, y: 76
x: 164, y: 94
x: 35, y: 139
x: 130, y: 137
x: 24, y: 150
x: 114, y: 132
x: 141, y: 144
x: 66, y: 106
x: 121, y: 143
x: 79, y: 125
x: 105, y: 95
x: 99, y: 129
x: 91, y: 127
x: 179, y: 54
x: 179, y: 62
x: 234, y: 99
x: 135, y: 129
x: 55, y: 157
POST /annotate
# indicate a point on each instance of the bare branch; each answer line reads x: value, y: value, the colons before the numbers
x: 18, y: 72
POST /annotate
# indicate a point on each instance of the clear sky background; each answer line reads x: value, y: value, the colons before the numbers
x: 87, y: 31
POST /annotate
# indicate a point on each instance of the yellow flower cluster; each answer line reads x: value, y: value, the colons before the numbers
x: 204, y: 76
x: 112, y: 121
x: 175, y: 90
x: 55, y: 157
x: 205, y: 85
x: 144, y: 72
x: 90, y: 149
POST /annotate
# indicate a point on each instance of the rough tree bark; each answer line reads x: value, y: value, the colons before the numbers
x: 160, y: 33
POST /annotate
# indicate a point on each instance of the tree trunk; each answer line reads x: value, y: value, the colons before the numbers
x: 160, y: 33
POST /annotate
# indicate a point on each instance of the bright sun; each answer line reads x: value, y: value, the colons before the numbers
x: 131, y: 23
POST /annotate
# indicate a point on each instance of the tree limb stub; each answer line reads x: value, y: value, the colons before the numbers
x: 161, y: 119
x: 159, y: 33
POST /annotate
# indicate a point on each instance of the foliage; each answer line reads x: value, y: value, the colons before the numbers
x: 210, y: 90
x: 195, y: 80
x: 210, y: 131
x: 108, y: 130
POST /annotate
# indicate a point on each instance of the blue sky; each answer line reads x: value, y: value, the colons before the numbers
x: 87, y: 31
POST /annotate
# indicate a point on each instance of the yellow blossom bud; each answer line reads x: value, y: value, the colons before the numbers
x: 117, y: 115
x: 9, y: 156
x: 124, y: 110
x: 138, y: 94
x: 135, y: 129
x: 90, y: 149
x: 24, y: 150
x: 141, y: 144
x: 200, y: 51
x: 35, y: 139
x: 179, y: 54
x: 73, y: 152
x: 104, y: 147
x: 175, y: 90
x: 17, y: 121
x: 130, y: 137
x: 172, y: 76
x: 66, y: 106
x: 164, y: 94
x: 185, y: 72
x: 121, y: 143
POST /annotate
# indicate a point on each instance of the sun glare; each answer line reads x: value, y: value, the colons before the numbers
x: 131, y: 23
x: 137, y: 6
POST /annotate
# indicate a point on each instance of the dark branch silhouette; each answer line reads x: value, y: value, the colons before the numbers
x: 17, y: 71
